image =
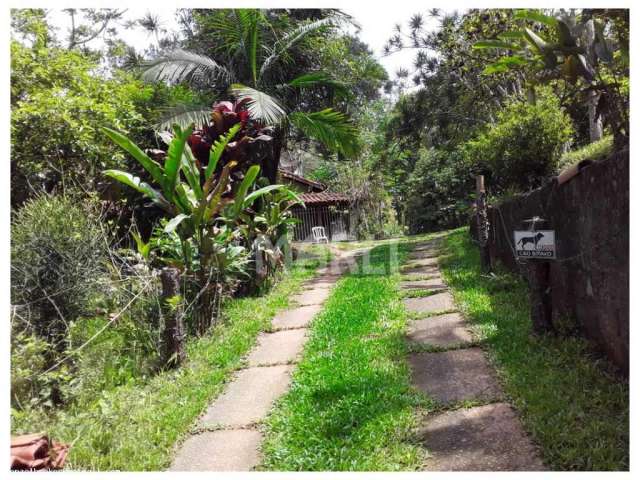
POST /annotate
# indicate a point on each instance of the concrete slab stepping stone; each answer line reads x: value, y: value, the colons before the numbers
x: 419, y: 270
x: 319, y: 283
x: 314, y: 296
x: 420, y: 275
x: 422, y: 254
x: 486, y: 438
x: 330, y: 278
x: 440, y: 330
x: 433, y: 303
x: 278, y: 347
x: 219, y: 451
x: 433, y: 283
x: 421, y: 247
x: 423, y: 262
x: 248, y: 398
x: 454, y: 376
x: 296, y: 318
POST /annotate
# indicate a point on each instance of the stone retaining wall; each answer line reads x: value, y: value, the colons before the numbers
x: 590, y: 278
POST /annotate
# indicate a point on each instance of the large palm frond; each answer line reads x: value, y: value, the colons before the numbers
x: 250, y: 21
x: 292, y: 37
x: 182, y: 66
x: 237, y: 32
x: 333, y: 129
x: 261, y: 106
x: 184, y: 115
x: 316, y: 79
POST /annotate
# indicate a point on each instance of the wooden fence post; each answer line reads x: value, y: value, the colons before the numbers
x: 482, y: 222
x: 539, y: 278
x: 539, y: 273
x: 173, y: 334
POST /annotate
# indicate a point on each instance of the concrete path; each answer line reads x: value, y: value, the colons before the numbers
x: 229, y: 437
x: 448, y: 368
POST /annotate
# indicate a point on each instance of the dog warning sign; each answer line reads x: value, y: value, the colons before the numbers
x: 535, y: 244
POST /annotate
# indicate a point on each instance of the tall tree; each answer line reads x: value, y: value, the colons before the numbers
x: 249, y: 54
x: 588, y: 49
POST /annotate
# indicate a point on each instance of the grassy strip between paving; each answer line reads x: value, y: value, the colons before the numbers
x: 134, y: 427
x: 569, y: 400
x: 351, y: 406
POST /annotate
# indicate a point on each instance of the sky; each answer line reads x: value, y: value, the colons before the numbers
x: 377, y: 26
x: 376, y: 21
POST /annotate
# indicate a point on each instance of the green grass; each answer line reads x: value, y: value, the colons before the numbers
x: 593, y: 151
x: 351, y: 406
x: 353, y: 245
x: 135, y: 427
x: 572, y: 404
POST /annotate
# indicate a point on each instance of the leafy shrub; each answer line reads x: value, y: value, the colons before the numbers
x: 57, y: 105
x: 59, y: 100
x: 441, y: 191
x: 58, y: 252
x: 525, y: 144
x: 592, y: 151
x: 32, y: 385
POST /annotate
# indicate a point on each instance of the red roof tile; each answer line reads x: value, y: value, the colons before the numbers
x: 305, y: 181
x: 324, y: 198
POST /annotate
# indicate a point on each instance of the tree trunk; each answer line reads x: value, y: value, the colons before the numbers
x: 209, y: 287
x: 595, y: 120
x: 174, y: 353
x: 271, y: 161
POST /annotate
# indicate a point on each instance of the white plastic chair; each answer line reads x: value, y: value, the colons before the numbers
x: 318, y: 235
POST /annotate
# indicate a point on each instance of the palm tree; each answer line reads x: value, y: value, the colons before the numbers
x: 255, y: 70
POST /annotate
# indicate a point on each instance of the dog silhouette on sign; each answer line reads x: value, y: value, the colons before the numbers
x: 535, y: 239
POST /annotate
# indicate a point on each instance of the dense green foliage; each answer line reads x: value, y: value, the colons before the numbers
x: 66, y: 287
x: 490, y: 109
x: 59, y: 100
x: 575, y: 408
x: 588, y: 49
x: 440, y: 190
x: 522, y: 149
x: 58, y: 105
x: 249, y: 56
x: 134, y: 426
x: 593, y: 151
x: 351, y: 406
x: 57, y: 250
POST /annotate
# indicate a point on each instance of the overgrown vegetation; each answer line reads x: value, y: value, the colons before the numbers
x: 508, y: 90
x: 132, y: 165
x: 522, y: 149
x: 351, y: 406
x: 133, y: 426
x: 58, y: 259
x: 108, y: 199
x: 593, y: 151
x: 569, y: 399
